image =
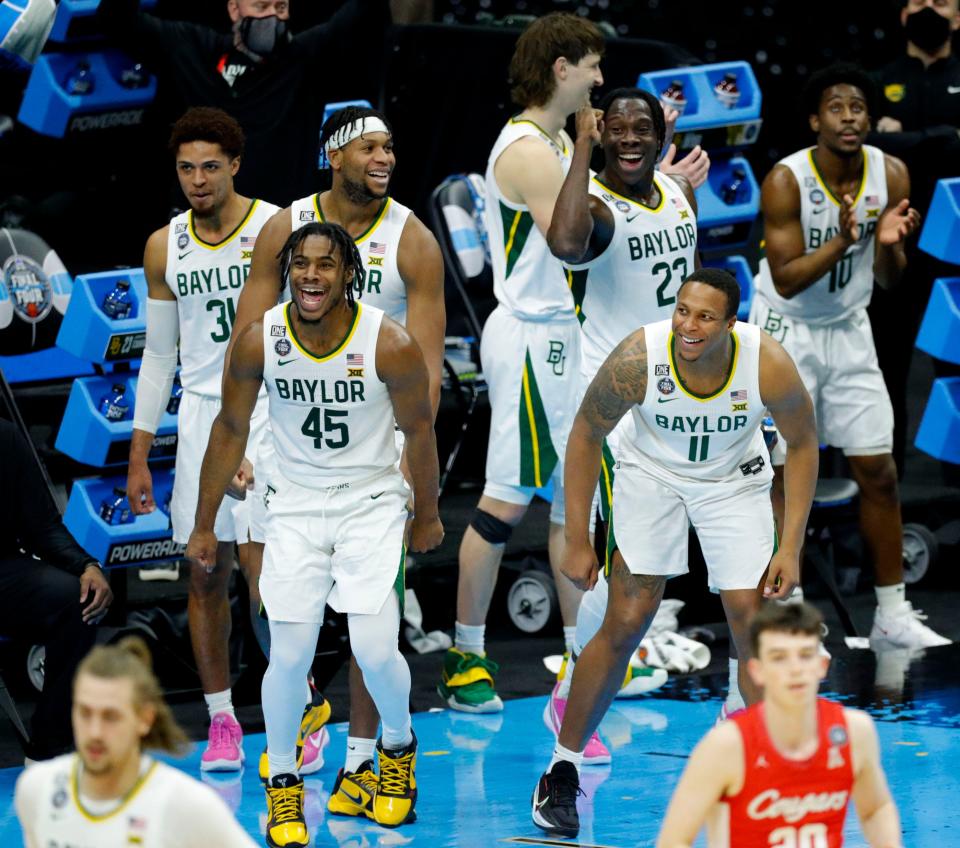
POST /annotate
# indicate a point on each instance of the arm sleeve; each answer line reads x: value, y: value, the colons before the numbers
x: 40, y: 529
x: 159, y: 364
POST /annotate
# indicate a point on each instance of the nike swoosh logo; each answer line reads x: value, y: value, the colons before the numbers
x: 666, y: 400
x: 819, y: 210
x: 634, y: 218
x: 285, y: 361
x: 374, y: 497
x: 182, y: 256
x: 544, y: 801
x: 953, y: 89
x: 356, y: 800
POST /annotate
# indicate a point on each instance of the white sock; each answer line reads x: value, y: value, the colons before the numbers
x: 469, y: 638
x: 561, y: 753
x: 891, y: 598
x: 220, y: 702
x: 282, y: 763
x: 564, y: 690
x: 569, y: 634
x: 359, y: 750
x: 734, y: 698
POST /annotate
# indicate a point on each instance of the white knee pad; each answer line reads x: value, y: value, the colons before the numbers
x: 593, y: 607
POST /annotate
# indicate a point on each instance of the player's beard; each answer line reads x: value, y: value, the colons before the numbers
x: 358, y: 192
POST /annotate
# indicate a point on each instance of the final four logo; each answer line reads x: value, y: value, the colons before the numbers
x: 282, y: 347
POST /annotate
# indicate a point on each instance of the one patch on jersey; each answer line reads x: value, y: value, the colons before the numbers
x: 179, y: 228
x: 817, y: 196
x: 622, y: 205
x: 282, y: 347
x: 810, y: 182
x: 183, y: 240
x: 307, y: 216
x: 661, y: 370
x: 837, y: 735
x: 835, y: 758
x: 666, y: 386
x: 278, y: 330
x: 608, y: 197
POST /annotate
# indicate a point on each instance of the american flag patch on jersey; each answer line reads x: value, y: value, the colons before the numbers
x: 677, y: 202
x: 248, y: 242
x: 872, y: 200
x: 739, y: 396
x: 354, y: 360
x: 378, y: 248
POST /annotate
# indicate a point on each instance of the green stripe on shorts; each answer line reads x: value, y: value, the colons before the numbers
x: 400, y: 584
x: 538, y: 457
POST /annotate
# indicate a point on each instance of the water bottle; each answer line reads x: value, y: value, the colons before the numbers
x: 770, y: 435
x: 115, y: 509
x: 118, y: 303
x: 176, y: 392
x: 731, y: 192
x: 114, y: 406
x: 673, y: 97
x: 727, y: 91
x: 134, y: 76
x: 80, y: 80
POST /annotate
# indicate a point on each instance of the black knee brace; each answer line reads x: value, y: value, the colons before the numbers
x: 490, y: 528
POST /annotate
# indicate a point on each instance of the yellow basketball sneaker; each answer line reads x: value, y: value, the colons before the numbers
x: 312, y: 738
x: 354, y: 791
x: 286, y: 825
x: 396, y: 793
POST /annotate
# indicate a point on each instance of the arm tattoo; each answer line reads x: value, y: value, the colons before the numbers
x: 636, y: 585
x: 620, y: 383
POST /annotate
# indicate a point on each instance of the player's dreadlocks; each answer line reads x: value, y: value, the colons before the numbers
x: 340, y: 239
x: 348, y: 115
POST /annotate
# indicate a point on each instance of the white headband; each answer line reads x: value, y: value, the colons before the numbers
x: 348, y: 132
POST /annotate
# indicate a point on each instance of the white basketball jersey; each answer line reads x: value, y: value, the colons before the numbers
x: 706, y: 438
x: 528, y: 280
x: 636, y: 279
x: 146, y: 819
x: 330, y: 414
x: 378, y: 246
x: 849, y: 284
x: 207, y: 279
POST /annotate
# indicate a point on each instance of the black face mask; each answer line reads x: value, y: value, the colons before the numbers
x: 927, y: 29
x: 263, y: 37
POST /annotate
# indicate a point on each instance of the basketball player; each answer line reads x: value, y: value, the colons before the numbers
x: 784, y: 771
x: 628, y: 236
x: 338, y: 375
x: 195, y: 269
x: 530, y: 348
x: 691, y: 453
x: 836, y: 217
x: 404, y: 278
x: 111, y: 792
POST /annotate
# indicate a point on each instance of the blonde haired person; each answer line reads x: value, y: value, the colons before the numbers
x: 111, y: 792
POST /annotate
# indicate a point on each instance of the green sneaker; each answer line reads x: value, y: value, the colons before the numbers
x: 467, y: 683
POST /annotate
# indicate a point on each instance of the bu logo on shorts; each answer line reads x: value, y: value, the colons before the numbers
x: 776, y: 326
x: 556, y: 357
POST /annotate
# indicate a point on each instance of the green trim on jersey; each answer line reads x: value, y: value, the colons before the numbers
x: 381, y: 214
x: 611, y: 547
x: 400, y: 584
x: 516, y: 119
x: 607, y: 463
x: 516, y: 228
x: 811, y: 153
x: 731, y: 369
x: 216, y: 245
x: 538, y: 457
x: 577, y: 280
x: 322, y: 357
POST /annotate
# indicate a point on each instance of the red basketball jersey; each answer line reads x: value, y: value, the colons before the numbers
x: 792, y: 803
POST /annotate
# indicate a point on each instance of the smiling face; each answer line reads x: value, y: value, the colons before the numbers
x: 318, y: 277
x: 842, y: 122
x: 364, y: 166
x: 206, y: 175
x: 700, y: 322
x: 789, y: 667
x: 629, y: 140
x: 107, y: 726
x: 575, y: 80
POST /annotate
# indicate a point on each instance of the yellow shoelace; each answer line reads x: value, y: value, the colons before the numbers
x: 395, y: 774
x: 286, y: 803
